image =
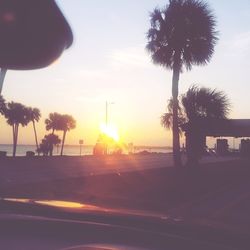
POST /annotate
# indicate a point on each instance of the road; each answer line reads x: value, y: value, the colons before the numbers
x: 217, y: 193
x: 27, y: 170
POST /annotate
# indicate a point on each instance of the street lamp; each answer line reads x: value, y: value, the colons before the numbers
x: 107, y: 104
x: 80, y: 143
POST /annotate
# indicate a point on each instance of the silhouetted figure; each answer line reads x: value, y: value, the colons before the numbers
x: 222, y: 147
x: 245, y: 147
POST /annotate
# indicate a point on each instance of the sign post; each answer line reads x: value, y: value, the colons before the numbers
x: 80, y: 143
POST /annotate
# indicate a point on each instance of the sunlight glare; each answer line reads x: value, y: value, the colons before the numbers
x: 110, y: 130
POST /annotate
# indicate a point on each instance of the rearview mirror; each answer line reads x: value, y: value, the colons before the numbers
x: 33, y: 33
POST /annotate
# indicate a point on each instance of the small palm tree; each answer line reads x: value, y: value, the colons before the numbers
x: 202, y: 106
x: 34, y: 116
x: 182, y: 34
x: 67, y: 123
x: 16, y: 114
x: 47, y: 145
x: 53, y: 122
x: 167, y: 118
x: 201, y: 102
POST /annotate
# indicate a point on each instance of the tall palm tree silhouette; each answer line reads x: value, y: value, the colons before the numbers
x: 67, y: 123
x: 53, y: 122
x: 181, y: 34
x: 34, y: 116
x: 16, y: 114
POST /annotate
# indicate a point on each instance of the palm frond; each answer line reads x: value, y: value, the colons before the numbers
x: 200, y: 102
x: 187, y: 26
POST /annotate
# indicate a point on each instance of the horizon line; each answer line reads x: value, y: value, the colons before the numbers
x: 90, y: 145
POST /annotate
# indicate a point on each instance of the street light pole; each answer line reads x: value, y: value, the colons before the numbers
x: 106, y: 118
x: 106, y: 113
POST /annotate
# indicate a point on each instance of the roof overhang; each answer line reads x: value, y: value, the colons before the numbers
x: 220, y: 127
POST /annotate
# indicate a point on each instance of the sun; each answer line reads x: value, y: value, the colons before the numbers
x: 110, y: 131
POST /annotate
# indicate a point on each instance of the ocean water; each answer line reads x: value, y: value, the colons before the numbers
x: 73, y: 150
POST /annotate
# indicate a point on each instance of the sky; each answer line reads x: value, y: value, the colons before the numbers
x: 108, y: 62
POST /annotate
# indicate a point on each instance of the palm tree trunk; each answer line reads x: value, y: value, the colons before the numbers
x: 176, y: 136
x: 51, y: 146
x: 34, y: 127
x: 13, y: 135
x: 15, y: 139
x: 64, y: 135
x: 50, y: 150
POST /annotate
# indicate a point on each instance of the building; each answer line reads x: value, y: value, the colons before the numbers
x: 197, y: 132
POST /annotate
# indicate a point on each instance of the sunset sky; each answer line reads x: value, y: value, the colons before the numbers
x: 108, y: 61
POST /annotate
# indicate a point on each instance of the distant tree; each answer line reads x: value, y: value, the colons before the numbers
x: 181, y: 34
x: 67, y: 122
x: 47, y: 145
x: 16, y: 114
x: 53, y: 122
x: 34, y: 116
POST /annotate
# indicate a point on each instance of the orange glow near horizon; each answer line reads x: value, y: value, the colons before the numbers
x: 110, y: 130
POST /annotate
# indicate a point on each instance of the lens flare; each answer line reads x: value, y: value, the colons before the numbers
x: 110, y: 131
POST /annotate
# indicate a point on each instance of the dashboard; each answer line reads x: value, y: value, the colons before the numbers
x: 29, y: 225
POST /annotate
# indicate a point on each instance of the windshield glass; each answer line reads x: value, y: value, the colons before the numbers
x: 143, y: 107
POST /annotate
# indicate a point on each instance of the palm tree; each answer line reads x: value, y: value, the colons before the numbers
x: 53, y: 122
x: 167, y: 118
x: 34, y: 116
x: 47, y: 145
x: 201, y: 106
x: 16, y: 114
x: 201, y: 102
x: 182, y: 34
x: 67, y: 123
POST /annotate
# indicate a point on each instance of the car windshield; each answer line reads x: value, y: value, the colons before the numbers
x: 138, y: 106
